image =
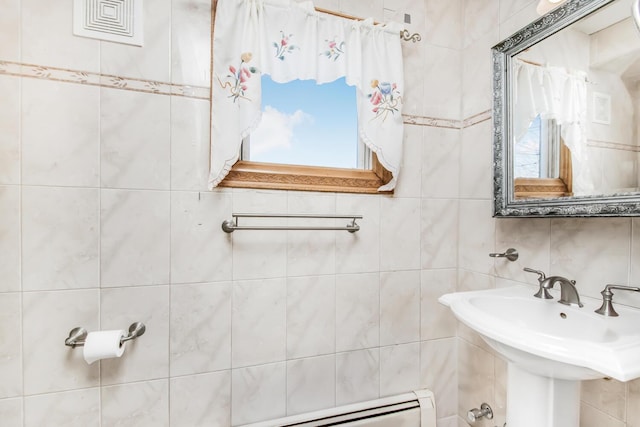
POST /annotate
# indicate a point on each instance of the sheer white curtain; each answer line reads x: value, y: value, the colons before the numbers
x: 289, y: 40
x: 554, y: 92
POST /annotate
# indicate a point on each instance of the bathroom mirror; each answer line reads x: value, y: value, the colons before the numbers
x: 566, y: 114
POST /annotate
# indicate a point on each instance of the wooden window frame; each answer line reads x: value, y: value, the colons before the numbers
x: 245, y: 174
x: 275, y: 176
x: 548, y: 188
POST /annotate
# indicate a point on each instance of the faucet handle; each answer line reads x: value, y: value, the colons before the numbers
x: 542, y: 292
x: 606, y: 309
x: 538, y: 272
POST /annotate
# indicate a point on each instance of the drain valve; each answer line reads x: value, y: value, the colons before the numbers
x: 475, y: 414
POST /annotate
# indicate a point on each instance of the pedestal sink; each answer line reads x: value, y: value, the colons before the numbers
x: 549, y: 349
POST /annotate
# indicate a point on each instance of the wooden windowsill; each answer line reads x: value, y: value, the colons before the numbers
x: 541, y: 188
x: 548, y: 188
x: 246, y: 174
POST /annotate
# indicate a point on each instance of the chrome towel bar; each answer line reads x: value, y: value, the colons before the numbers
x: 231, y: 225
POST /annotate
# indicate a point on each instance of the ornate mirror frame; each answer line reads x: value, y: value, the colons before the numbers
x: 505, y: 203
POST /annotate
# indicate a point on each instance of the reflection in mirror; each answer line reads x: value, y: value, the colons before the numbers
x: 537, y: 152
x: 542, y: 161
x: 584, y: 78
x: 571, y: 103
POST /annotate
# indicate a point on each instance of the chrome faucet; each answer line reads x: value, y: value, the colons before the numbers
x: 568, y: 292
x: 606, y: 309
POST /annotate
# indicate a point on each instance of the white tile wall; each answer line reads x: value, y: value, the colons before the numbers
x: 203, y: 399
x: 60, y: 238
x: 258, y: 322
x: 10, y: 23
x: 311, y: 384
x: 359, y: 252
x: 135, y: 140
x: 60, y: 134
x: 399, y: 307
x: 189, y: 143
x: 49, y: 365
x: 442, y: 86
x: 75, y: 408
x: 357, y: 376
x: 311, y: 316
x: 11, y: 411
x: 199, y: 251
x: 592, y: 251
x: 45, y: 37
x: 437, y: 321
x: 439, y: 233
x: 439, y: 372
x: 106, y: 220
x: 10, y: 241
x: 310, y: 252
x: 11, y: 361
x: 134, y: 237
x: 208, y: 347
x: 357, y: 311
x: 190, y: 50
x: 153, y: 60
x: 10, y: 125
x: 440, y: 157
x: 146, y: 359
x: 136, y: 404
x: 399, y: 368
x: 258, y: 393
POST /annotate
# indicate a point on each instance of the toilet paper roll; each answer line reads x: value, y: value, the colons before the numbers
x: 103, y: 345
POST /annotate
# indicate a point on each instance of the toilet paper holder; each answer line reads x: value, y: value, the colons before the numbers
x: 77, y: 336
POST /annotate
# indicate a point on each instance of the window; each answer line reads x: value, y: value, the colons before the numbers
x: 537, y: 153
x: 241, y: 59
x: 307, y: 124
x: 542, y: 162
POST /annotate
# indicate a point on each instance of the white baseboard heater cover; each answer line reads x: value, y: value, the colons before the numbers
x: 415, y: 409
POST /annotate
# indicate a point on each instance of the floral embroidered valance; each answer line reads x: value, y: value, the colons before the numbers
x: 289, y: 40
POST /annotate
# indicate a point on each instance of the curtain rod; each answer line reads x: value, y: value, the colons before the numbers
x: 537, y: 64
x: 404, y: 34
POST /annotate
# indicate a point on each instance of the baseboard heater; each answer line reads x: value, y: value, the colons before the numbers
x: 415, y: 409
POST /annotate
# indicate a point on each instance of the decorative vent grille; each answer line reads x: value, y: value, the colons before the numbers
x: 110, y: 20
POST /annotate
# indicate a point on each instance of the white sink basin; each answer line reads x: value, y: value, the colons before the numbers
x: 550, y: 339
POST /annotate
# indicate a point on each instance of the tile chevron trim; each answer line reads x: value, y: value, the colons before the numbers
x: 102, y: 80
x: 476, y: 119
x: 447, y: 123
x: 431, y: 122
x: 612, y: 145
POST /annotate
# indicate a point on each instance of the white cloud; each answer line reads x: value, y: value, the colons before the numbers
x: 276, y: 129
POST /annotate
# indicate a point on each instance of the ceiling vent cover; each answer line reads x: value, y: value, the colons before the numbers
x: 112, y: 20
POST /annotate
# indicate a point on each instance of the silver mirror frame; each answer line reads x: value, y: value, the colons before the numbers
x: 505, y: 204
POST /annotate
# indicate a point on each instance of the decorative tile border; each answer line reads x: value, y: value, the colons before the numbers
x: 476, y: 119
x: 102, y: 80
x: 162, y: 88
x: 613, y: 145
x: 447, y: 123
x: 431, y: 122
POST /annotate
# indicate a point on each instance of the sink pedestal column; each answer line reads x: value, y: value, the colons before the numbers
x: 534, y: 400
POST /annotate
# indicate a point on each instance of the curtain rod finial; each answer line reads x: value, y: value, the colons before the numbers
x: 405, y: 35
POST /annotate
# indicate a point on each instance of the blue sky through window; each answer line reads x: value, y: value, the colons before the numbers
x: 304, y: 123
x: 527, y: 152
